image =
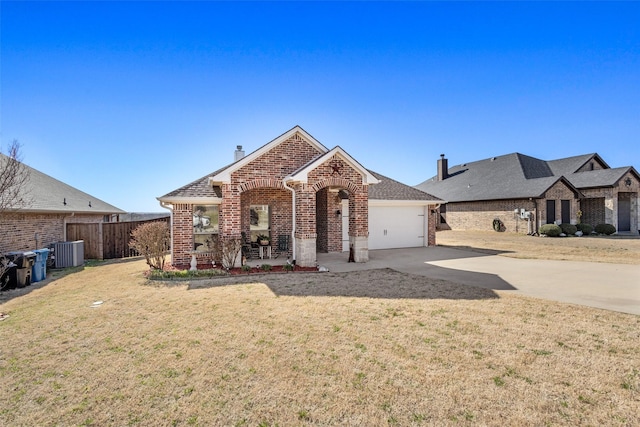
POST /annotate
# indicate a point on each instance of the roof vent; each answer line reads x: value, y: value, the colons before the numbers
x: 493, y: 158
x: 239, y: 153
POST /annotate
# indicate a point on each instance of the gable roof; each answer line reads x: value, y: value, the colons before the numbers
x: 570, y: 165
x: 49, y: 195
x: 512, y: 176
x: 301, y: 175
x: 224, y: 175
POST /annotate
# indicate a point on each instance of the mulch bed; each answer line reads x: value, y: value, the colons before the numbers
x: 238, y: 270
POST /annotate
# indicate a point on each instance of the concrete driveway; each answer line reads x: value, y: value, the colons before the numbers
x: 608, y: 286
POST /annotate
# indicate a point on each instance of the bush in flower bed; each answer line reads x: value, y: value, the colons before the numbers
x: 605, y: 229
x: 568, y: 228
x: 585, y: 228
x: 551, y: 230
x: 176, y: 274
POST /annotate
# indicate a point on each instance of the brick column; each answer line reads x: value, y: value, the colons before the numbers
x: 182, y: 243
x: 305, y: 226
x: 230, y: 213
x: 359, y: 224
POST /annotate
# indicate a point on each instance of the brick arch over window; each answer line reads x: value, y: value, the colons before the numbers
x: 260, y: 183
x: 336, y: 182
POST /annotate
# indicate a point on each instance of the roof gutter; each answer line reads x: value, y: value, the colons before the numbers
x: 293, y: 214
x: 169, y: 206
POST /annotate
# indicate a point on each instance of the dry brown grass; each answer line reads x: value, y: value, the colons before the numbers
x: 370, y: 348
x: 610, y: 249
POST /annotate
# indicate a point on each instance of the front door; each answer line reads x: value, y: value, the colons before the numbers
x: 345, y: 225
x: 624, y: 212
x: 565, y: 211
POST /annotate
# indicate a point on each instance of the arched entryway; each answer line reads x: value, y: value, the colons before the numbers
x: 332, y: 220
x: 266, y: 210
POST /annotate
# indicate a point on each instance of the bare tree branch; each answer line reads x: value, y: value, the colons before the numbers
x: 14, y: 180
x: 14, y: 177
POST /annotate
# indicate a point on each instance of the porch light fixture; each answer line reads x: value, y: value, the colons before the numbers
x: 627, y: 182
x: 338, y: 212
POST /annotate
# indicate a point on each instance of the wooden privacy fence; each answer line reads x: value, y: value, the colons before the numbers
x: 106, y: 240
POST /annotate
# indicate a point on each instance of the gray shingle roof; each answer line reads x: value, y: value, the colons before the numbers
x: 47, y: 194
x: 515, y: 176
x: 570, y: 165
x: 198, y: 188
x: 390, y: 189
x: 511, y: 176
x: 598, y: 178
x: 387, y: 189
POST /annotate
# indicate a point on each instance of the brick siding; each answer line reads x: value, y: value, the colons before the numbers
x: 19, y: 229
x: 480, y: 215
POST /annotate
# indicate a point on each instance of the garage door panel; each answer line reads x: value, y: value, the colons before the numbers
x: 396, y: 227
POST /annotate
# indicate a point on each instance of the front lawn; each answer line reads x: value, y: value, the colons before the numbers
x: 368, y: 348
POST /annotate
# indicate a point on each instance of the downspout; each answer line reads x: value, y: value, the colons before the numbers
x: 169, y: 206
x: 293, y: 216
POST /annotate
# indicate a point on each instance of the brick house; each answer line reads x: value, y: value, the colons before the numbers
x: 295, y: 191
x: 51, y: 205
x: 524, y: 192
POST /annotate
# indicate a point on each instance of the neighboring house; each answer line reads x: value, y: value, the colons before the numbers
x: 51, y: 205
x: 305, y: 198
x: 524, y: 192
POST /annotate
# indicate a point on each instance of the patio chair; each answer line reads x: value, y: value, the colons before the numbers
x: 283, y: 245
x: 247, y: 245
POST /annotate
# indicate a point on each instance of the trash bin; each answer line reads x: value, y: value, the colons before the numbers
x: 24, y: 262
x: 39, y: 269
x: 8, y: 279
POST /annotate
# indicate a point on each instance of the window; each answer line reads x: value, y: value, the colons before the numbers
x: 259, y: 221
x: 551, y: 211
x: 205, y: 227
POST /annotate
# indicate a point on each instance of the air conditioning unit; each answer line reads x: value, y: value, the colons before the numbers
x: 68, y: 254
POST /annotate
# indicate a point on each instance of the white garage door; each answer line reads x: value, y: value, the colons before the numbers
x: 396, y: 227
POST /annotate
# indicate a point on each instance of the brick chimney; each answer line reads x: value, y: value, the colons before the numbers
x: 443, y: 168
x: 239, y: 153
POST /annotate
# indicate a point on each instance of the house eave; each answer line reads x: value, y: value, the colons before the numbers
x: 380, y: 202
x: 190, y: 200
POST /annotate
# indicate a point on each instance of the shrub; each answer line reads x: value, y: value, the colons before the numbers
x: 230, y: 249
x: 498, y: 225
x: 185, y: 274
x: 151, y: 240
x: 266, y: 267
x: 585, y: 228
x: 551, y: 230
x: 605, y: 229
x: 287, y: 267
x: 568, y: 228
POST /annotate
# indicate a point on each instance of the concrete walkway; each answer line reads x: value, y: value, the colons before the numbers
x: 613, y: 287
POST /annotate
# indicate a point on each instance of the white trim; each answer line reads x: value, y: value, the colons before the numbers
x: 224, y: 177
x: 191, y: 200
x: 302, y: 175
x: 398, y: 203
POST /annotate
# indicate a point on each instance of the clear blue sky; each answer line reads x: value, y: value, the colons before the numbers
x: 129, y: 101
